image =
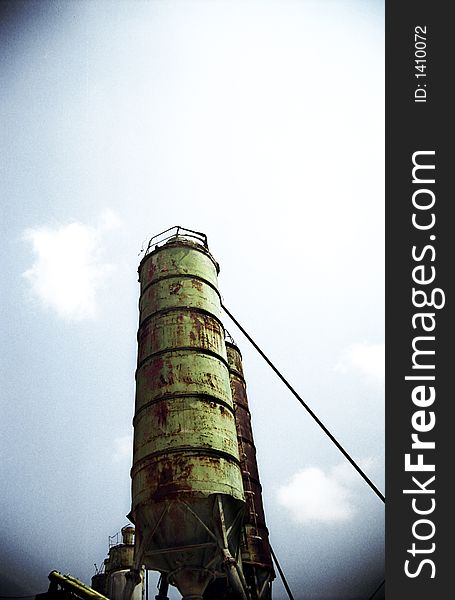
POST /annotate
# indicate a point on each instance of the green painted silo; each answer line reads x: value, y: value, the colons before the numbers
x: 187, y: 492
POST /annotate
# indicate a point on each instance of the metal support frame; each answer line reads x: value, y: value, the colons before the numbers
x: 140, y: 552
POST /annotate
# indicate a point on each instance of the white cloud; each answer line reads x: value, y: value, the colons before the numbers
x: 68, y: 271
x: 368, y: 359
x: 123, y: 448
x: 315, y: 496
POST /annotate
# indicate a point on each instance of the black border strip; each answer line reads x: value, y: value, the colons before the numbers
x: 419, y: 119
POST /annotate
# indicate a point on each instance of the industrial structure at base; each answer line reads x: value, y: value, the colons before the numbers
x: 112, y: 578
x: 196, y: 496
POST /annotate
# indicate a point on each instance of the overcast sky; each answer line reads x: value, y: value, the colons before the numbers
x: 260, y: 123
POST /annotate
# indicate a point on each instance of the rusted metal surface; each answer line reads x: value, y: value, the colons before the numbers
x: 177, y: 423
x: 128, y: 535
x: 120, y: 557
x: 179, y: 292
x: 255, y: 547
x: 178, y: 257
x: 185, y: 439
x: 177, y: 329
x: 181, y: 372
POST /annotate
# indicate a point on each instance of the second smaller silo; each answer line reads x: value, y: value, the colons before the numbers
x: 255, y: 547
x: 112, y: 582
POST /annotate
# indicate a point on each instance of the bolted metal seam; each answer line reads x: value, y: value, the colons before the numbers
x: 170, y: 396
x: 142, y: 462
x: 193, y: 349
x: 179, y: 276
x: 189, y: 309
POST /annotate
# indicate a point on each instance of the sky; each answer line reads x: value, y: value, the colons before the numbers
x: 261, y: 124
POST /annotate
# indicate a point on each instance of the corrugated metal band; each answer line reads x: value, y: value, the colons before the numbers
x: 234, y: 346
x: 237, y: 374
x: 248, y: 441
x: 189, y: 309
x: 191, y: 450
x: 256, y: 482
x: 253, y: 479
x: 180, y: 276
x: 192, y: 349
x: 171, y: 396
x: 243, y: 405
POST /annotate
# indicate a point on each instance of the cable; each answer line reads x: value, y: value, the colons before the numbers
x: 376, y: 590
x: 283, y: 578
x: 307, y: 408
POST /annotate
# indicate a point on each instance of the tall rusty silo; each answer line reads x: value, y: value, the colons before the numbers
x: 187, y: 491
x: 255, y: 547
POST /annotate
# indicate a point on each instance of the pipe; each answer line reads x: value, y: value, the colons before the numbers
x: 133, y: 578
x: 235, y: 576
x: 73, y: 585
x: 163, y: 588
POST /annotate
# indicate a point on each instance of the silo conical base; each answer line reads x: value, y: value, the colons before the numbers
x: 191, y: 583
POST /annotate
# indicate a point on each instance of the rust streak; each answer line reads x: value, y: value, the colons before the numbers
x: 175, y: 288
x: 197, y: 285
x: 161, y: 413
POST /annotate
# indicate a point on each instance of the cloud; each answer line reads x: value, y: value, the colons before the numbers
x: 68, y: 271
x: 368, y: 359
x: 315, y: 496
x: 123, y: 448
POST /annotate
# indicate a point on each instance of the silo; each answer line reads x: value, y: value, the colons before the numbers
x: 187, y: 492
x: 118, y: 565
x: 255, y: 547
x: 113, y: 582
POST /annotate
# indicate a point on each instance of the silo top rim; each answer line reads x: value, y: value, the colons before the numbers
x: 233, y: 345
x: 178, y: 236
